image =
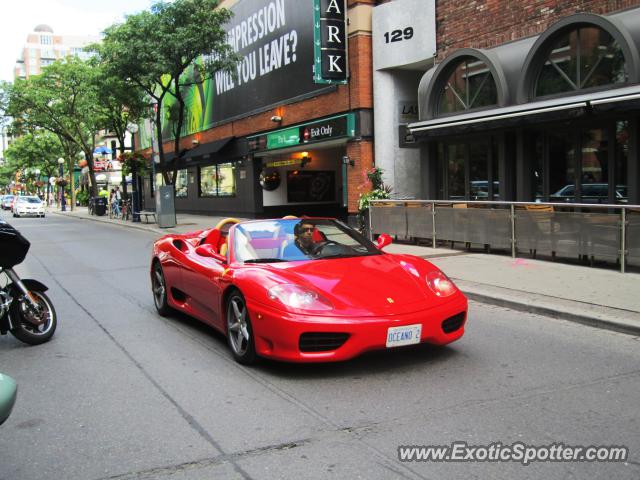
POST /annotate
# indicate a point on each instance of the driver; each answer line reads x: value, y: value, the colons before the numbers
x: 303, y: 244
x: 304, y: 237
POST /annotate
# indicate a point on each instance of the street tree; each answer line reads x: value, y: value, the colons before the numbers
x: 63, y: 100
x: 33, y: 152
x: 121, y: 104
x: 166, y: 50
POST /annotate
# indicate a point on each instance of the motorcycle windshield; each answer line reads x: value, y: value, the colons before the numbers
x: 13, y: 246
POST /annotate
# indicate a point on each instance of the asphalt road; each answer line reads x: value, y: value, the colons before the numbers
x: 121, y: 393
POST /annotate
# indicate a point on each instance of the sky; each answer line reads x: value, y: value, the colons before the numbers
x: 65, y: 17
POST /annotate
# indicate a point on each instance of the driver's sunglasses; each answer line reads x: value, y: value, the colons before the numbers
x: 308, y: 229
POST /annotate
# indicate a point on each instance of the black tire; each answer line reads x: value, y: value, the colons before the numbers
x: 159, y: 290
x: 21, y: 318
x: 239, y: 330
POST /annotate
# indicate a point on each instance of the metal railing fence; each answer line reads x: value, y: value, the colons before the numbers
x: 560, y: 230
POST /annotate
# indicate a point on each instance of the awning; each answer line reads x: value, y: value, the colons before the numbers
x: 534, y: 112
x: 207, y: 149
x: 224, y: 150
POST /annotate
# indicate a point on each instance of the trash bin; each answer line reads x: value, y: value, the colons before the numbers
x: 100, y: 205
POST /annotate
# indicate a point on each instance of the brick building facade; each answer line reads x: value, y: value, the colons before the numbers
x: 401, y: 54
x: 527, y: 101
x: 254, y: 133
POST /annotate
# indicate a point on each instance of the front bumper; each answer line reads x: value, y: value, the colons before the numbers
x: 277, y: 333
x: 30, y: 213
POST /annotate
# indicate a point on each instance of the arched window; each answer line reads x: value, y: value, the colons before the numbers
x: 470, y: 85
x: 583, y: 58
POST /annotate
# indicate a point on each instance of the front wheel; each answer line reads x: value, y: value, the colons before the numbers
x: 159, y: 288
x: 239, y: 331
x: 33, y: 325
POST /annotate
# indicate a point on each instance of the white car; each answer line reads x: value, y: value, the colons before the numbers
x: 28, y: 205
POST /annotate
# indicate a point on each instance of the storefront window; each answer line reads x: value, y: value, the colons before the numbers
x: 595, y: 167
x: 441, y: 176
x: 455, y: 171
x: 468, y: 171
x: 495, y: 170
x: 538, y: 168
x: 218, y: 180
x: 479, y: 171
x: 470, y: 86
x: 181, y: 183
x: 562, y: 167
x: 622, y: 153
x: 586, y: 57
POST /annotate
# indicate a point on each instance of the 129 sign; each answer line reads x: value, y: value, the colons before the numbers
x: 398, y: 35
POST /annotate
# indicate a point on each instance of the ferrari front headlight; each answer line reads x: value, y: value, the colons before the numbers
x: 301, y: 298
x: 440, y: 284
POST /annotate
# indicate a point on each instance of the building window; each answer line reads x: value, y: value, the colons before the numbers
x: 562, y: 167
x: 181, y: 183
x: 575, y: 166
x: 586, y: 57
x: 468, y: 170
x: 621, y: 160
x: 47, y: 53
x: 218, y: 180
x: 46, y: 40
x: 470, y: 86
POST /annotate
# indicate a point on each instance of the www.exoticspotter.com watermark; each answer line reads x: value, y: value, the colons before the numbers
x: 515, y: 452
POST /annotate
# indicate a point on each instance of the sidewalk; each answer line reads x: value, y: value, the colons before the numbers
x: 594, y: 296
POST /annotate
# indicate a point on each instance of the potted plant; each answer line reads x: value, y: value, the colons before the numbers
x: 377, y: 190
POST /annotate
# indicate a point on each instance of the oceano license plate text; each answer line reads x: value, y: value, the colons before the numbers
x: 407, y: 335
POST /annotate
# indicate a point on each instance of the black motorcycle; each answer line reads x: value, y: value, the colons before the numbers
x: 25, y: 310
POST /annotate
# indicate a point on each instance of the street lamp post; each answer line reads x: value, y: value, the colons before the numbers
x: 135, y: 188
x: 63, y: 205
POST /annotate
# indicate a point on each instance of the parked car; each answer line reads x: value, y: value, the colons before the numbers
x: 480, y: 190
x: 329, y: 298
x: 7, y: 202
x: 591, y: 193
x: 28, y: 205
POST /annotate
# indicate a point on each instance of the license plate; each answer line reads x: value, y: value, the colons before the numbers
x: 407, y: 335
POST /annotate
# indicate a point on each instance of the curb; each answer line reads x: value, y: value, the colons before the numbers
x: 592, y: 321
x: 123, y: 224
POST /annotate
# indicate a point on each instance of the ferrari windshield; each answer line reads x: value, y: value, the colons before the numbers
x: 287, y: 240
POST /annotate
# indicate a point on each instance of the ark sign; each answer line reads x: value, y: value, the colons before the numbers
x: 330, y: 41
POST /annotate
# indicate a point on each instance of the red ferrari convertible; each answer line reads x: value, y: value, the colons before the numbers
x: 304, y: 290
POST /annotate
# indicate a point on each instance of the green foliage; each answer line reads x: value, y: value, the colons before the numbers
x: 38, y: 150
x: 155, y: 50
x: 377, y: 191
x: 32, y: 152
x: 63, y: 100
x: 133, y: 161
x: 82, y: 197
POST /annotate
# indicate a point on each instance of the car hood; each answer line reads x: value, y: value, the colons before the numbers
x: 365, y: 286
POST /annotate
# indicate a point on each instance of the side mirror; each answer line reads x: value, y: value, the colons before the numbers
x: 8, y: 391
x: 207, y: 250
x: 383, y: 241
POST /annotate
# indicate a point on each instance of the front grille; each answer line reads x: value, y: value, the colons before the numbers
x: 452, y: 324
x: 321, y: 341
